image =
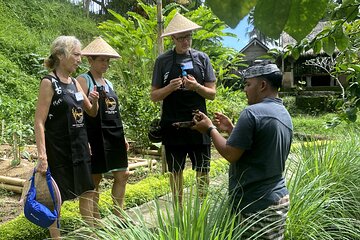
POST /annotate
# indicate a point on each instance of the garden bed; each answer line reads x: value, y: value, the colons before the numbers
x: 9, y: 201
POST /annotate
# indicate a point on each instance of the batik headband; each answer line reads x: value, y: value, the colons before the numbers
x: 260, y: 70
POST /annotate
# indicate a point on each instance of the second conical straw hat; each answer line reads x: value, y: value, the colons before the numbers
x: 99, y: 47
x: 179, y: 24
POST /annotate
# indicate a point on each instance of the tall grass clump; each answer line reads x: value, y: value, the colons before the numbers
x: 209, y: 218
x: 323, y: 181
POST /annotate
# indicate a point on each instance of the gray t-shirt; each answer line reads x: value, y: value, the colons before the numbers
x: 264, y: 131
x: 164, y: 63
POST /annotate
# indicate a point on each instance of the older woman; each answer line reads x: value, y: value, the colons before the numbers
x: 61, y: 137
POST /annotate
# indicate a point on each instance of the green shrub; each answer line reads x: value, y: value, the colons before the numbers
x: 324, y: 194
x: 27, y: 29
x: 227, y: 101
x: 17, y: 101
x: 136, y: 194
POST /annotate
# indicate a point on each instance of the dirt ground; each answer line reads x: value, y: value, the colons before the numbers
x: 9, y: 201
x: 10, y: 206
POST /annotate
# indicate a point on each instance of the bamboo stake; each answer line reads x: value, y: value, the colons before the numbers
x: 161, y: 50
x: 142, y: 164
x: 160, y: 27
x: 12, y: 188
x: 12, y: 181
x: 149, y: 152
x: 134, y: 159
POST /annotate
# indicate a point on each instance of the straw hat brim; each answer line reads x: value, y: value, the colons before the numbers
x: 99, y: 47
x: 179, y: 24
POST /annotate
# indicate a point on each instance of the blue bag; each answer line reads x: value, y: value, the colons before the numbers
x: 36, y: 212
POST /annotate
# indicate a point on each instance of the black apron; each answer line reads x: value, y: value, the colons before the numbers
x: 179, y: 106
x: 66, y: 141
x: 106, y: 134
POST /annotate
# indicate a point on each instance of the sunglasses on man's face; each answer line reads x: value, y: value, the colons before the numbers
x: 183, y: 38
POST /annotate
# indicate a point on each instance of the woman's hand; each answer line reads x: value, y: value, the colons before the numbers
x: 94, y: 95
x: 42, y: 164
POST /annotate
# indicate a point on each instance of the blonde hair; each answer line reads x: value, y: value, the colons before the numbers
x: 62, y: 45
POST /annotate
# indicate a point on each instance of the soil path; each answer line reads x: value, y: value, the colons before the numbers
x: 10, y: 206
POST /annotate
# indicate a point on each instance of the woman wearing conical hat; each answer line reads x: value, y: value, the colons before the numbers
x: 183, y: 79
x: 105, y: 131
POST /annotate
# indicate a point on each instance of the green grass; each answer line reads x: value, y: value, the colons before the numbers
x: 323, y: 180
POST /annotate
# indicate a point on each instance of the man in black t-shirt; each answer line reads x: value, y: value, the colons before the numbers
x: 183, y: 79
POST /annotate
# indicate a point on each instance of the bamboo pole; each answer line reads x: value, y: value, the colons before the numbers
x: 134, y: 159
x: 142, y: 164
x: 148, y: 152
x: 160, y: 27
x: 12, y: 188
x: 160, y: 51
x: 12, y: 181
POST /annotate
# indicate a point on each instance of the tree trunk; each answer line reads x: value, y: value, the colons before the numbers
x: 86, y: 6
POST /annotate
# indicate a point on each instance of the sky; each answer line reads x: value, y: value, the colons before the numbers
x: 241, y: 40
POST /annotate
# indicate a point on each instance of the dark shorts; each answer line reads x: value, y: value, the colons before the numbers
x: 198, y: 154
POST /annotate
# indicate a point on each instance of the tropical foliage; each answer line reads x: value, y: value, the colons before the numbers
x: 27, y: 29
x: 135, y: 37
x: 339, y: 40
x: 322, y: 178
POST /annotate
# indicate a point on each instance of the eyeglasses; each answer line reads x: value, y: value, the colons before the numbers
x: 183, y: 38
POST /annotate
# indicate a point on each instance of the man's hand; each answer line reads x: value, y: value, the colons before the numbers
x: 175, y: 84
x: 223, y: 123
x: 202, y: 122
x: 190, y: 83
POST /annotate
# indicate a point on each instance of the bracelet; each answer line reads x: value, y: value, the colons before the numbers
x: 208, y: 131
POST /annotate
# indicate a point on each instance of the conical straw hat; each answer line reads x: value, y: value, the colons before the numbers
x: 179, y: 24
x: 99, y: 47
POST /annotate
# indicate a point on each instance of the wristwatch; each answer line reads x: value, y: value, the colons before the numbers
x: 208, y: 131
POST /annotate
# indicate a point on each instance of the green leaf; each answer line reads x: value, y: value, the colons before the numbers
x: 351, y: 114
x: 230, y: 11
x: 270, y: 19
x: 356, y: 67
x: 342, y: 41
x: 317, y: 46
x: 295, y: 53
x: 303, y: 17
x: 328, y: 45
